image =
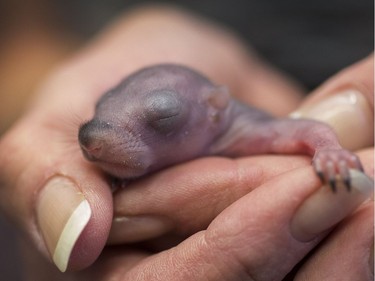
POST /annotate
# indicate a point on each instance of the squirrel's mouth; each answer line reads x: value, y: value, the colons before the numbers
x: 123, y: 171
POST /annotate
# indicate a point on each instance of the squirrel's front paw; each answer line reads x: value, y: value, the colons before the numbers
x: 333, y: 166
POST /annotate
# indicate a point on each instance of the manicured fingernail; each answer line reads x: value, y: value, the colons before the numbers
x: 137, y: 228
x: 62, y: 214
x: 348, y: 113
x: 324, y: 208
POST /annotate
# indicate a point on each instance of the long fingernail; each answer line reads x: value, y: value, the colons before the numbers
x: 137, y: 228
x: 349, y: 113
x: 324, y: 208
x: 62, y: 214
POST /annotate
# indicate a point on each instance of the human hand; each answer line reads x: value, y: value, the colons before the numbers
x: 62, y: 203
x: 205, y: 188
x: 195, y: 197
x: 346, y: 102
x: 136, y: 260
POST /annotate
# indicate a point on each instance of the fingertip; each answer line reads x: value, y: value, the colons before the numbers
x: 89, y: 245
x: 348, y: 112
x: 94, y: 236
x: 323, y: 209
x: 74, y: 220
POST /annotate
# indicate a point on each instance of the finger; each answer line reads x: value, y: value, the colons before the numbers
x: 62, y: 203
x: 262, y: 236
x: 48, y: 189
x: 186, y: 198
x: 351, y: 244
x: 346, y: 103
x: 111, y: 265
x: 167, y: 201
x: 258, y: 237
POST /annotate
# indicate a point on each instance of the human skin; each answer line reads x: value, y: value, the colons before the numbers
x: 242, y: 184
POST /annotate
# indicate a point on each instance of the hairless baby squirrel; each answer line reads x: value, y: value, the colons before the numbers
x: 166, y: 114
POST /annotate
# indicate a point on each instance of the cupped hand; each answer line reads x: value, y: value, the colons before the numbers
x: 64, y: 204
x: 194, y: 198
x: 250, y: 218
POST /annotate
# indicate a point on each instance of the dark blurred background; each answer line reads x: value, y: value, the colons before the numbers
x: 310, y: 40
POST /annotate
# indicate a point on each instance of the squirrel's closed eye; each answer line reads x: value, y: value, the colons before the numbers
x: 163, y: 110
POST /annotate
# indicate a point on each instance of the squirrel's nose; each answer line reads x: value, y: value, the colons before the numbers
x: 90, y: 138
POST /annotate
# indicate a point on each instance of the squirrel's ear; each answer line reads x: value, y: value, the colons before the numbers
x: 218, y: 97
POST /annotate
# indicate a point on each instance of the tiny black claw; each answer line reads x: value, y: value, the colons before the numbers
x: 332, y: 184
x: 348, y: 184
x: 321, y: 176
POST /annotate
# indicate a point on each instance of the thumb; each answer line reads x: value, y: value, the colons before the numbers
x: 62, y: 203
x: 346, y: 103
